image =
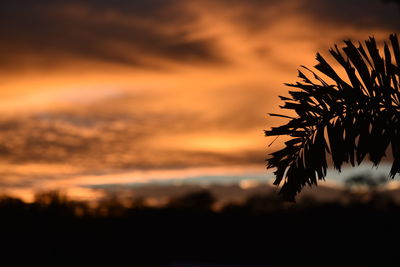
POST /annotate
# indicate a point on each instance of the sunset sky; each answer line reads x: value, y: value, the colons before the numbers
x: 125, y: 91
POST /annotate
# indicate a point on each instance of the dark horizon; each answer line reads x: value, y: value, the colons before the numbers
x: 99, y: 92
x: 187, y: 231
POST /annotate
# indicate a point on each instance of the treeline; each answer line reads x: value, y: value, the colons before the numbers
x: 262, y: 231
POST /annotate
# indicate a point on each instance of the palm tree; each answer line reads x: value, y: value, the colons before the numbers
x: 349, y: 117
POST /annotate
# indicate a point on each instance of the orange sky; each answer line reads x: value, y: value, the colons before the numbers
x: 90, y: 87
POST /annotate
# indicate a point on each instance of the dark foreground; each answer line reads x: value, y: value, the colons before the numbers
x: 262, y: 232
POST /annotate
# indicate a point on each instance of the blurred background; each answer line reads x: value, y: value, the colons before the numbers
x: 104, y: 95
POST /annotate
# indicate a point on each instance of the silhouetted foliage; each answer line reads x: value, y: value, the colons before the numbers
x: 198, y: 201
x: 368, y: 189
x: 348, y: 117
x: 363, y: 181
x: 262, y: 231
x: 263, y: 203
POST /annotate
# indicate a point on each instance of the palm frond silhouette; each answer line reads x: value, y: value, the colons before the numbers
x: 348, y: 118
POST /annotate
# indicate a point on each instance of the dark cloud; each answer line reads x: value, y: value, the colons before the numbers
x: 359, y: 13
x: 394, y: 1
x: 143, y: 33
x: 121, y: 31
x: 252, y: 15
x: 258, y: 15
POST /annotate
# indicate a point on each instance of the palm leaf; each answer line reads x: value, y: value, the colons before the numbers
x: 348, y: 117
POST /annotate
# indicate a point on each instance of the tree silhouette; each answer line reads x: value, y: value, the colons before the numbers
x: 349, y: 117
x: 362, y: 182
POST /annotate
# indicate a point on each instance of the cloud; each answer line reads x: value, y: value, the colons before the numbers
x: 154, y: 33
x: 257, y: 15
x: 112, y: 139
x: 134, y: 33
x: 374, y: 14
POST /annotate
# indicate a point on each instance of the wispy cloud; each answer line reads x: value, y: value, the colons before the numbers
x: 94, y: 139
x: 134, y: 33
x: 150, y: 34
